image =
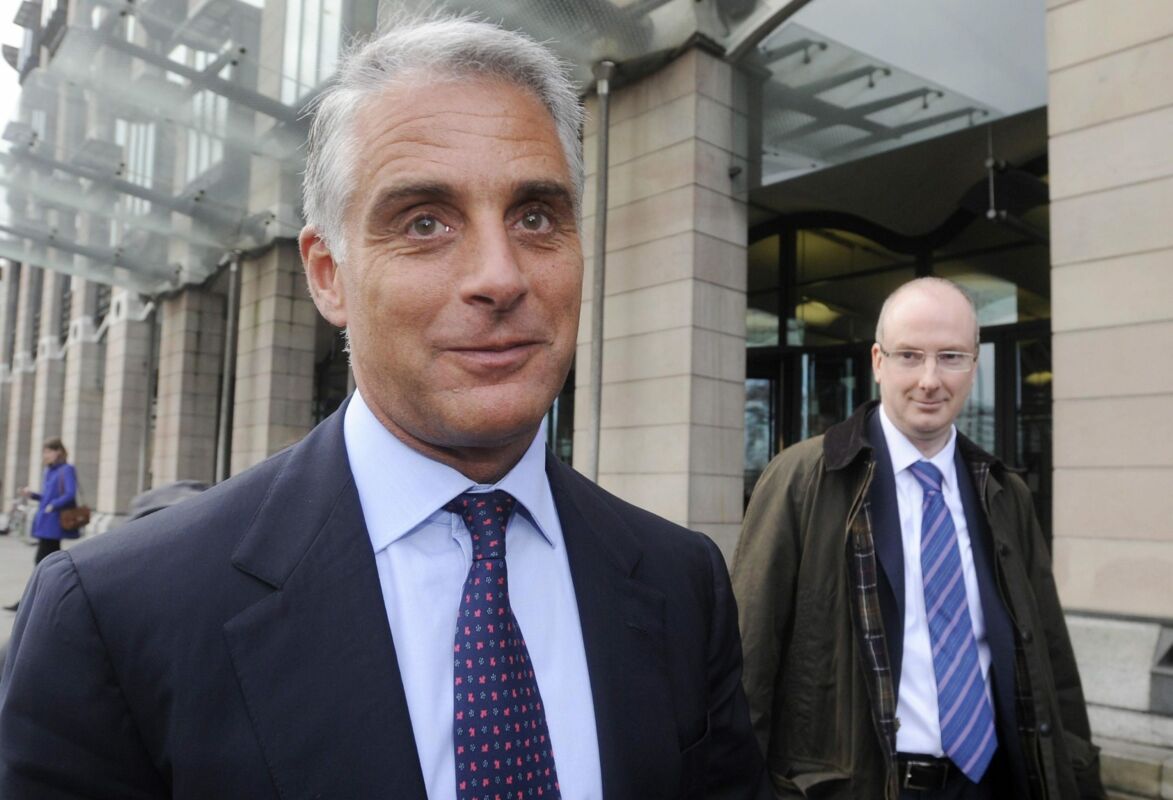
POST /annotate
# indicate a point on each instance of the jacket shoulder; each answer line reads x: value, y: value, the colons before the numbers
x: 793, y: 466
x: 645, y: 525
x: 180, y: 545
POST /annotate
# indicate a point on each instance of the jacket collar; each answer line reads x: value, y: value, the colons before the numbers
x: 844, y: 442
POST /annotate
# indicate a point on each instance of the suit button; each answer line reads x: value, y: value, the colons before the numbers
x: 1027, y: 635
x: 1044, y: 728
x: 1003, y: 549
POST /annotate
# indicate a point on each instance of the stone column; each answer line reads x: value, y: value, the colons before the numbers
x: 49, y: 375
x: 20, y: 401
x: 124, y: 402
x: 1111, y: 175
x: 85, y: 367
x: 274, y: 357
x: 9, y: 291
x: 191, y: 343
x: 674, y: 324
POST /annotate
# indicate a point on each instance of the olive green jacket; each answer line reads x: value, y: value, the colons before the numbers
x: 806, y: 673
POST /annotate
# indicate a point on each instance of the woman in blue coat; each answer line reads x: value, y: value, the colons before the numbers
x: 58, y: 491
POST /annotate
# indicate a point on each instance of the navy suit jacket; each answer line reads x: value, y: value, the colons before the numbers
x: 889, y: 544
x: 237, y: 646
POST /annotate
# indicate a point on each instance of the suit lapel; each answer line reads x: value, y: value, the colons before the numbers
x: 889, y: 544
x: 999, y: 630
x: 623, y: 630
x: 315, y: 659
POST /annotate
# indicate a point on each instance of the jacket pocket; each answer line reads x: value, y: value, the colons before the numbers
x: 694, y: 762
x: 1082, y: 753
x: 699, y: 743
x: 1085, y: 765
x: 809, y: 779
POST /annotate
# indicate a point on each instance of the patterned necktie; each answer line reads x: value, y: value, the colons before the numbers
x: 967, y: 721
x: 503, y: 749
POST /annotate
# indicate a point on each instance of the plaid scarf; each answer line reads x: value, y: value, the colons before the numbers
x: 870, y: 627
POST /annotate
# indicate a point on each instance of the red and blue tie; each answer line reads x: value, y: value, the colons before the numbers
x: 503, y: 749
x: 967, y: 721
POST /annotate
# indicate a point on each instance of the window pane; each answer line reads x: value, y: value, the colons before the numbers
x: 759, y: 428
x: 290, y: 90
x: 1033, y: 434
x: 307, y: 71
x: 843, y: 311
x: 976, y: 419
x: 825, y: 253
x: 763, y: 279
x: 331, y: 38
x: 1010, y: 285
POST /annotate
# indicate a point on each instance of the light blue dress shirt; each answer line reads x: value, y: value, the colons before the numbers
x: 423, y: 555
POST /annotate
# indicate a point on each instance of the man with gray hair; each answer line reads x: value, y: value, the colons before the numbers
x: 903, y: 637
x: 417, y: 600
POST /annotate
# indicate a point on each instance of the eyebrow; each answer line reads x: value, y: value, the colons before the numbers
x: 391, y: 197
x: 547, y: 190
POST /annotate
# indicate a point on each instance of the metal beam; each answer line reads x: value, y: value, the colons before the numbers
x: 189, y: 207
x: 826, y: 84
x: 102, y: 255
x: 853, y: 114
x: 905, y: 129
x: 234, y: 92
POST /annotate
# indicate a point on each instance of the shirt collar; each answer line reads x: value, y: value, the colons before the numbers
x: 400, y: 488
x: 904, y: 453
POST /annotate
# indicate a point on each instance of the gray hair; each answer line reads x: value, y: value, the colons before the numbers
x: 440, y: 47
x: 927, y: 282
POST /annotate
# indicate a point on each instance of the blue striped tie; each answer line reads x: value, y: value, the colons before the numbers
x: 967, y: 721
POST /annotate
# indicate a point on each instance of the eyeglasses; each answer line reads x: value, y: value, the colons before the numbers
x: 951, y: 360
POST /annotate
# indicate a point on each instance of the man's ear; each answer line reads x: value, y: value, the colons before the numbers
x: 323, y: 275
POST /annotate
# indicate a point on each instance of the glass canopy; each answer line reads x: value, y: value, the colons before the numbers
x: 157, y: 136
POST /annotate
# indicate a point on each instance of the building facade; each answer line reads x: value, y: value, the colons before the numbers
x: 773, y: 169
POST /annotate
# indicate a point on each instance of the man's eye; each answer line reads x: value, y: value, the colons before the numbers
x: 535, y: 220
x: 427, y: 226
x: 950, y: 359
x: 910, y: 356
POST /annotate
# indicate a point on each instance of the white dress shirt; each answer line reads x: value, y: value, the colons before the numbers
x: 919, y: 730
x: 423, y: 555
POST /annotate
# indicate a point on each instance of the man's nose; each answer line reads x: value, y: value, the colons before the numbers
x: 930, y: 373
x: 495, y: 277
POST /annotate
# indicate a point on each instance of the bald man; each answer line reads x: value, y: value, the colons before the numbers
x: 902, y: 633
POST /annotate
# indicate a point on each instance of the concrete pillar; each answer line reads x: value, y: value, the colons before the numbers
x: 674, y: 324
x: 1110, y: 114
x: 275, y: 357
x: 191, y: 342
x: 85, y: 364
x: 9, y: 291
x: 124, y: 402
x: 23, y: 371
x: 1111, y: 176
x: 49, y: 375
